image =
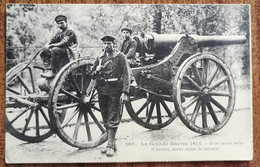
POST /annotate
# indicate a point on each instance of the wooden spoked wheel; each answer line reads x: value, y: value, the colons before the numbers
x: 26, y: 119
x: 205, y: 93
x: 82, y: 126
x: 151, y: 111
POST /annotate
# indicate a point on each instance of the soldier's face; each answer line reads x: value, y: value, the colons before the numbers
x: 126, y: 34
x: 108, y: 46
x: 62, y: 24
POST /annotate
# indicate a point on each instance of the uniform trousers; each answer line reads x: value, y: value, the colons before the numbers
x: 55, y: 58
x: 109, y: 106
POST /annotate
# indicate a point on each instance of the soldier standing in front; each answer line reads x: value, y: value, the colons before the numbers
x: 113, y: 82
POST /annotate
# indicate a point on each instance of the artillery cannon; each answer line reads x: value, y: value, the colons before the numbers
x: 181, y: 81
x: 187, y: 78
x: 161, y: 45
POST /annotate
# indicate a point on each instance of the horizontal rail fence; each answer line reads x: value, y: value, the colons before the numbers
x: 21, y: 54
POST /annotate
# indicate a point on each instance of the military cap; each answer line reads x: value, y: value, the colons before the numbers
x: 127, y: 29
x: 108, y: 38
x: 60, y: 18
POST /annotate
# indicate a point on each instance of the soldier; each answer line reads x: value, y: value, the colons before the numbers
x: 128, y: 46
x: 60, y: 49
x: 113, y: 82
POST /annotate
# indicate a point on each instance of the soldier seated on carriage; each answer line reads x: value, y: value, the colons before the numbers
x: 60, y: 49
x: 128, y: 46
x: 135, y: 49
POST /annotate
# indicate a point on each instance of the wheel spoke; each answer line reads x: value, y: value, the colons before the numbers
x: 218, y: 105
x: 19, y: 115
x: 143, y: 107
x: 197, y: 74
x: 66, y: 106
x: 90, y: 88
x: 13, y: 91
x: 150, y: 113
x: 27, y: 121
x: 212, y: 75
x: 192, y: 81
x: 187, y: 92
x: 77, y: 126
x: 213, y: 93
x: 189, y: 103
x: 95, y: 108
x: 159, y: 115
x: 70, y: 117
x: 24, y: 85
x: 44, y: 116
x: 93, y: 94
x: 37, y: 122
x: 166, y: 108
x: 87, y: 126
x: 222, y: 80
x: 212, y: 113
x: 205, y: 71
x: 195, y: 112
x: 96, y: 121
x: 83, y: 81
x: 70, y: 95
x: 32, y: 78
x: 204, y: 116
x: 74, y: 84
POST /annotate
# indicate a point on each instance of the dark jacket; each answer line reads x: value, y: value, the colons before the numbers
x: 115, y: 66
x: 67, y: 39
x: 128, y: 47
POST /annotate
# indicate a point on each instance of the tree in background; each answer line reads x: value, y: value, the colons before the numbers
x: 19, y: 34
x: 11, y: 53
x: 21, y: 23
x: 157, y: 18
x: 33, y: 25
x: 243, y: 27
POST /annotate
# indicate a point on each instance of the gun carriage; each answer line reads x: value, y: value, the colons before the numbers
x: 177, y: 80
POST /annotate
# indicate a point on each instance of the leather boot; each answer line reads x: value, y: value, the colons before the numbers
x: 104, y: 150
x: 111, y: 143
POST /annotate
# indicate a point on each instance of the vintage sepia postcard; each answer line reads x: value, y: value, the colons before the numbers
x: 97, y: 83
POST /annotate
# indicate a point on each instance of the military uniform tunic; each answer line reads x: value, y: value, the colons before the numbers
x: 113, y: 80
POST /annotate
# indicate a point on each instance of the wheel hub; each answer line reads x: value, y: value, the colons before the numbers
x: 205, y: 90
x: 85, y: 101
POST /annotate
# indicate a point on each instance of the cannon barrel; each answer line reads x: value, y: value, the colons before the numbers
x: 163, y: 43
x: 208, y: 41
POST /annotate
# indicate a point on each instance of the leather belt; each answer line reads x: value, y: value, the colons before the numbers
x: 111, y: 79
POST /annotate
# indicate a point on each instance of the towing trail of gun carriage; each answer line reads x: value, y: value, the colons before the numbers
x: 177, y: 80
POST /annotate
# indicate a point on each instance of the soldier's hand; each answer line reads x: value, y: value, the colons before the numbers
x: 123, y: 97
x: 99, y: 68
